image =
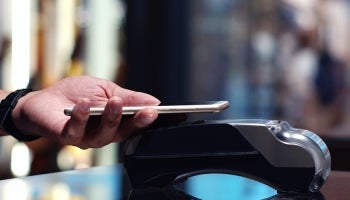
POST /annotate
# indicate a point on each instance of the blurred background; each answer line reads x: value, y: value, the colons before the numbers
x: 275, y: 59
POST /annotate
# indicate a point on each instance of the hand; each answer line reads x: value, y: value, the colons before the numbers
x: 41, y: 112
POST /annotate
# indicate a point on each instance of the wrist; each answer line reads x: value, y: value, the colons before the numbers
x: 20, y: 119
x: 10, y: 112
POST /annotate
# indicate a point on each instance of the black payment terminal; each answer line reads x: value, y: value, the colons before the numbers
x: 269, y: 151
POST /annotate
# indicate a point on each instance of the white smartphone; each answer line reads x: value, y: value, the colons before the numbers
x: 206, y: 107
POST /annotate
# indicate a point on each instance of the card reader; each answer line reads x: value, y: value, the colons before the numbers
x: 268, y: 151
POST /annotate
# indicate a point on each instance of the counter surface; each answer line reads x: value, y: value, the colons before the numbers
x: 106, y: 182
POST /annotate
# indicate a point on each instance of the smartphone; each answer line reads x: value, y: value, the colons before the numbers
x: 205, y: 107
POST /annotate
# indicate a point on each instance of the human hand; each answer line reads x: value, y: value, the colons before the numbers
x: 41, y: 112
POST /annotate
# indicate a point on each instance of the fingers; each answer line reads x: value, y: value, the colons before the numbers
x: 108, y: 125
x: 85, y: 132
x: 141, y: 120
x: 75, y: 128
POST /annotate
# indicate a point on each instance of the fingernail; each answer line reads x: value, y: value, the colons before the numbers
x: 84, y: 107
x: 148, y: 119
x: 115, y: 109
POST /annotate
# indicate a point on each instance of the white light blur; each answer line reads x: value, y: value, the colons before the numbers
x: 15, y: 189
x: 20, y: 70
x: 65, y: 159
x: 20, y: 160
x: 60, y: 191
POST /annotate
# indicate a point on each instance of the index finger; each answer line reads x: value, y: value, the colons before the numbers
x: 139, y: 121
